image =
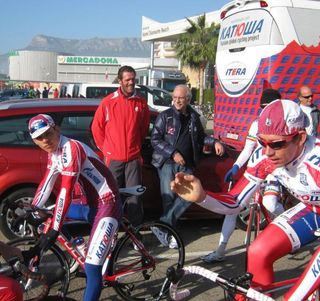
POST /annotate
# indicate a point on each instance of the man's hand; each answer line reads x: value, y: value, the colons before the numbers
x: 188, y: 187
x: 219, y: 148
x: 177, y: 157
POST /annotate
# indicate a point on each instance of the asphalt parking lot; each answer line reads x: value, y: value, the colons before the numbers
x: 200, y: 238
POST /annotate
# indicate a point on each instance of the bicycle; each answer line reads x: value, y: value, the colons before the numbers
x: 35, y: 284
x: 137, y: 262
x: 231, y: 286
x: 255, y: 217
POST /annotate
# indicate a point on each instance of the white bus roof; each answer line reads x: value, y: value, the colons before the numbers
x: 271, y: 3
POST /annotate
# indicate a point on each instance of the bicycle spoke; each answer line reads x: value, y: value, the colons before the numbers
x: 143, y: 271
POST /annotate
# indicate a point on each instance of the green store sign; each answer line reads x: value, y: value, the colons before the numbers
x: 13, y: 53
x: 100, y: 60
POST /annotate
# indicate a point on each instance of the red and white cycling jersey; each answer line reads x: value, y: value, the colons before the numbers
x: 301, y: 178
x: 75, y: 161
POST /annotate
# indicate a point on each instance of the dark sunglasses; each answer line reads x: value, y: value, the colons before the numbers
x: 307, y: 96
x: 277, y: 144
x: 46, y: 135
x: 38, y: 125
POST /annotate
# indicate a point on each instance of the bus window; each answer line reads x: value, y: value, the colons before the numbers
x: 303, y: 20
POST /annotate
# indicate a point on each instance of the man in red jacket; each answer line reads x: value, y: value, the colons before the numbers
x: 119, y: 127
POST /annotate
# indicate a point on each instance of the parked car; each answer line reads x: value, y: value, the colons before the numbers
x: 13, y: 94
x: 22, y: 163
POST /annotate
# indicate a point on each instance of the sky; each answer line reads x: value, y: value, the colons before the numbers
x: 21, y: 20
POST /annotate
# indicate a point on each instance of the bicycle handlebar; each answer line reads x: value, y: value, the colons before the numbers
x: 228, y: 284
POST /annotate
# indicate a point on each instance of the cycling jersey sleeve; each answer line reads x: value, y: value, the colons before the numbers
x: 249, y: 146
x: 239, y: 196
x: 46, y: 185
x: 72, y: 157
x: 233, y: 201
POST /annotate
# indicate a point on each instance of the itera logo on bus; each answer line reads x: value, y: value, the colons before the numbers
x: 235, y: 70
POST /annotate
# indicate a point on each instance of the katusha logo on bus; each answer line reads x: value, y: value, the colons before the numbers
x: 242, y: 29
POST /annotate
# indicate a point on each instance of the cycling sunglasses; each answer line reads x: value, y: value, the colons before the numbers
x: 38, y: 125
x: 307, y: 96
x: 277, y: 144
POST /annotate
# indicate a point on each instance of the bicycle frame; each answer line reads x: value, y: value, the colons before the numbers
x: 130, y: 269
x: 256, y: 207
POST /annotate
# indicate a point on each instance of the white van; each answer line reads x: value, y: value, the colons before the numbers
x: 158, y: 99
x: 93, y: 90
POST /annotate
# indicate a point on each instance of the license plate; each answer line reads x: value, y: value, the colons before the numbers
x: 232, y: 136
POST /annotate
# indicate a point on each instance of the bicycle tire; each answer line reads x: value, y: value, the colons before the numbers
x: 50, y: 261
x: 145, y: 285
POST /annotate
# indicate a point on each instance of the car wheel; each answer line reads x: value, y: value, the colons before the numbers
x: 11, y: 209
x: 243, y: 219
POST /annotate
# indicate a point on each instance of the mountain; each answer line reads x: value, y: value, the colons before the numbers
x: 121, y: 47
x: 128, y: 47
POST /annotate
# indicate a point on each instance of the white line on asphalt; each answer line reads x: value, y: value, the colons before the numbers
x: 202, y: 253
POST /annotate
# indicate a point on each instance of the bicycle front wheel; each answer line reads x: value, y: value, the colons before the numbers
x: 51, y: 261
x: 143, y: 269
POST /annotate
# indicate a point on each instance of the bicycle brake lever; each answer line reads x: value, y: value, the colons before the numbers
x: 243, y: 279
x: 174, y: 275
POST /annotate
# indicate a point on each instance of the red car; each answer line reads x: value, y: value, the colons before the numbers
x: 22, y: 163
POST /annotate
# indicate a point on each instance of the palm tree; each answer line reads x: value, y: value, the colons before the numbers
x: 197, y: 47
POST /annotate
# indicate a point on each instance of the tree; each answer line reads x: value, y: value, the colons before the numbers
x: 197, y: 47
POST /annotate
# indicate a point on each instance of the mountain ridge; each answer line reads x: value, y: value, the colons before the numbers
x: 119, y: 47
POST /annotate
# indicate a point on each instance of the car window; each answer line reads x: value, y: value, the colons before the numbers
x: 161, y: 98
x: 77, y: 126
x: 14, y: 131
x: 99, y: 92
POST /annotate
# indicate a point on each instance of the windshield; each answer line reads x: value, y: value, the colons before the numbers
x: 161, y: 98
x: 169, y: 85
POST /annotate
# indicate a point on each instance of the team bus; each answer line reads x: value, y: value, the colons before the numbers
x: 263, y: 44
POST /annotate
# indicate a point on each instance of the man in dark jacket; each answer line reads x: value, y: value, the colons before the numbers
x: 305, y: 97
x: 178, y: 139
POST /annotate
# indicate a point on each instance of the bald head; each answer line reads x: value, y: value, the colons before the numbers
x: 305, y: 96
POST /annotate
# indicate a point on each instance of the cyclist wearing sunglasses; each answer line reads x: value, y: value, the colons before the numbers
x: 76, y: 163
x: 271, y: 191
x: 305, y: 97
x: 293, y: 157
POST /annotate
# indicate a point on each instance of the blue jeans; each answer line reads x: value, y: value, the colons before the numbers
x: 173, y: 206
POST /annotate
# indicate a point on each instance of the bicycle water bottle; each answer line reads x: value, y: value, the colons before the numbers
x: 81, y: 245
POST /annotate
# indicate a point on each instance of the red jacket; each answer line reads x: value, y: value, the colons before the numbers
x: 120, y: 125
